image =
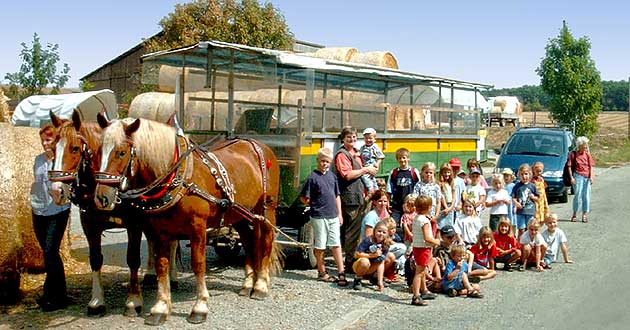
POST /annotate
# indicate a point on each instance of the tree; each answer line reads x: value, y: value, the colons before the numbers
x: 243, y: 22
x: 39, y: 69
x: 570, y: 78
x: 615, y: 95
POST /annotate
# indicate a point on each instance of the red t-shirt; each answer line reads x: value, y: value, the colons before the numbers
x: 483, y: 254
x: 505, y: 242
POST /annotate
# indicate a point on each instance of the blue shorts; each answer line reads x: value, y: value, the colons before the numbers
x: 522, y: 220
x: 478, y: 266
x: 456, y: 283
x: 547, y: 259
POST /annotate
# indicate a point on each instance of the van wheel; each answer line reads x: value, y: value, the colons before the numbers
x: 307, y: 236
x: 565, y: 196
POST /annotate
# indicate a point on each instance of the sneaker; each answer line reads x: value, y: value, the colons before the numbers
x: 357, y: 285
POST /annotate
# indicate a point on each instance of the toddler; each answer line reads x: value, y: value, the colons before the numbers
x: 455, y: 281
x: 556, y: 240
x: 532, y: 241
x: 423, y: 243
x: 507, y: 246
x: 498, y: 200
x: 372, y: 155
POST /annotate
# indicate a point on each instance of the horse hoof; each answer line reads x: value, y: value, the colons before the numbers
x: 245, y: 292
x: 196, y: 318
x: 133, y: 312
x: 98, y: 311
x: 155, y: 319
x: 258, y: 295
x: 174, y: 285
x: 149, y: 280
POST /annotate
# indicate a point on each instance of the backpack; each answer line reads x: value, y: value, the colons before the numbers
x: 566, y: 176
x: 414, y: 176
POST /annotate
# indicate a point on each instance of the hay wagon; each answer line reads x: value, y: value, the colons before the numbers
x: 297, y: 104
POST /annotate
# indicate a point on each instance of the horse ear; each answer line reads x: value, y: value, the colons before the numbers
x: 102, y: 121
x: 129, y: 130
x: 56, y: 121
x: 76, y: 120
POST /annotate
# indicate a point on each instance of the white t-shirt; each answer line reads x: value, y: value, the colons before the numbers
x: 553, y: 241
x: 535, y: 241
x: 494, y: 195
x: 418, y: 231
x: 468, y: 228
x: 477, y: 191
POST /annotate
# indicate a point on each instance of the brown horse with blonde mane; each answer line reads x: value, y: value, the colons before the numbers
x: 185, y: 189
x: 76, y: 160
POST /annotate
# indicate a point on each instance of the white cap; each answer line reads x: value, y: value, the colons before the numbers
x: 369, y: 130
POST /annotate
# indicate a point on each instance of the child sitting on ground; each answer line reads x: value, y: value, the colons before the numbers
x: 372, y: 155
x: 534, y: 247
x: 484, y: 252
x: 455, y: 281
x: 423, y: 242
x: 373, y: 257
x: 556, y: 240
x: 507, y: 246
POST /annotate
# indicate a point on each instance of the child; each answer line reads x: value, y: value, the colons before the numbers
x: 542, y: 206
x: 473, y: 164
x: 321, y: 193
x: 532, y: 241
x: 476, y: 191
x: 408, y: 217
x: 524, y: 196
x: 455, y: 281
x: 427, y: 186
x: 485, y: 250
x: 423, y: 243
x: 556, y: 240
x: 498, y: 200
x: 401, y: 182
x: 468, y: 226
x: 372, y: 155
x: 508, y: 178
x: 398, y: 248
x: 507, y: 246
x: 372, y: 257
x: 449, y: 192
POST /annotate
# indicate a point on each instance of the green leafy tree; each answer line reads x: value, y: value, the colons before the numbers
x: 39, y: 69
x: 615, y: 95
x: 244, y: 22
x: 570, y: 78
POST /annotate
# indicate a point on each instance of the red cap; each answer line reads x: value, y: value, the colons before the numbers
x: 456, y: 162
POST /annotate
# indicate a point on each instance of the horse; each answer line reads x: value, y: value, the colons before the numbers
x: 76, y: 160
x: 184, y: 189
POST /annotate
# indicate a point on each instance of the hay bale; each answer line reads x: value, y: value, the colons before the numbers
x: 378, y: 58
x: 501, y: 103
x: 336, y: 53
x: 4, y: 108
x: 153, y: 105
x: 19, y: 147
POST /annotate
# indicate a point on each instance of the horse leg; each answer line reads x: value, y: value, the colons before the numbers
x: 247, y: 239
x: 173, y: 266
x: 150, y: 277
x: 265, y: 241
x: 133, y: 305
x: 200, y: 310
x: 162, y: 308
x: 96, y: 306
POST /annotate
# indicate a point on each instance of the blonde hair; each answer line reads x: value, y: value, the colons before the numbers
x: 483, y: 232
x: 524, y: 168
x: 533, y: 223
x: 457, y: 249
x: 497, y: 177
x: 391, y: 223
x: 324, y: 152
x: 402, y: 152
x: 423, y: 204
x: 503, y: 220
x: 409, y: 199
x: 387, y: 241
x: 551, y: 216
x: 468, y: 200
x: 451, y: 181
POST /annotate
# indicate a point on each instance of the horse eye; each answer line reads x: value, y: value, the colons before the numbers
x: 75, y: 150
x: 122, y: 154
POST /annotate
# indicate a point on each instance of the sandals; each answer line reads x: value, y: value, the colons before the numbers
x: 475, y: 294
x: 325, y: 277
x: 342, y: 280
x: 417, y: 301
x: 452, y: 293
x: 584, y: 218
x: 574, y: 218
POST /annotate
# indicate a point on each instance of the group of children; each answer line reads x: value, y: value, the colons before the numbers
x: 447, y: 248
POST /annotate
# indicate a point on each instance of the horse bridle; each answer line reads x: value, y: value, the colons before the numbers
x: 122, y: 181
x: 86, y: 156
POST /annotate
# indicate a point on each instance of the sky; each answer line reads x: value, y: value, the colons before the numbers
x: 499, y: 43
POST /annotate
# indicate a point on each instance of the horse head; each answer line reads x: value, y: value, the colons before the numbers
x: 69, y: 147
x: 118, y: 164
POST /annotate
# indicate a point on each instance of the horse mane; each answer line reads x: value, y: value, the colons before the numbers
x: 154, y: 142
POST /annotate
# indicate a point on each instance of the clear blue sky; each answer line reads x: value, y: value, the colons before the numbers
x: 492, y: 42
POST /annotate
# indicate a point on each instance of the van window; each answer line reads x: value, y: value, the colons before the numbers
x: 536, y: 144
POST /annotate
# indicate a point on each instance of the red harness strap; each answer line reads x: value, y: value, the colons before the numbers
x: 164, y: 190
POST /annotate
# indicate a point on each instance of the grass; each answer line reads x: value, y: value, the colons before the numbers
x: 610, y: 148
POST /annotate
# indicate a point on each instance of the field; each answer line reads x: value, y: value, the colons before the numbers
x: 610, y: 146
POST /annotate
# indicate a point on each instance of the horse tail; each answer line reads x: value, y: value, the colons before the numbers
x: 268, y: 253
x: 276, y: 259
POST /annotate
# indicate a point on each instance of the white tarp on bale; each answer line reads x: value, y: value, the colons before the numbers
x: 35, y: 110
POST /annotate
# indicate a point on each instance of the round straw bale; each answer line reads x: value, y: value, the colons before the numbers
x: 378, y: 58
x: 153, y: 105
x: 19, y: 147
x: 336, y: 53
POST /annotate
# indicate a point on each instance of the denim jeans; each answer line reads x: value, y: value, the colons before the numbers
x: 582, y: 190
x: 49, y: 231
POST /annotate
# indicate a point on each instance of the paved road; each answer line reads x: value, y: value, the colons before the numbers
x: 590, y: 294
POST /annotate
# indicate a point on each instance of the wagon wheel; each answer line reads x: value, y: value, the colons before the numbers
x: 227, y: 249
x: 307, y: 236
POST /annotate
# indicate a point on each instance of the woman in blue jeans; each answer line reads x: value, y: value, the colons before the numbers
x: 49, y: 223
x: 581, y: 165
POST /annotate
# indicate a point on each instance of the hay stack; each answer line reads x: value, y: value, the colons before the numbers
x: 336, y: 53
x: 153, y: 105
x: 378, y: 58
x: 18, y: 149
x: 4, y: 108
